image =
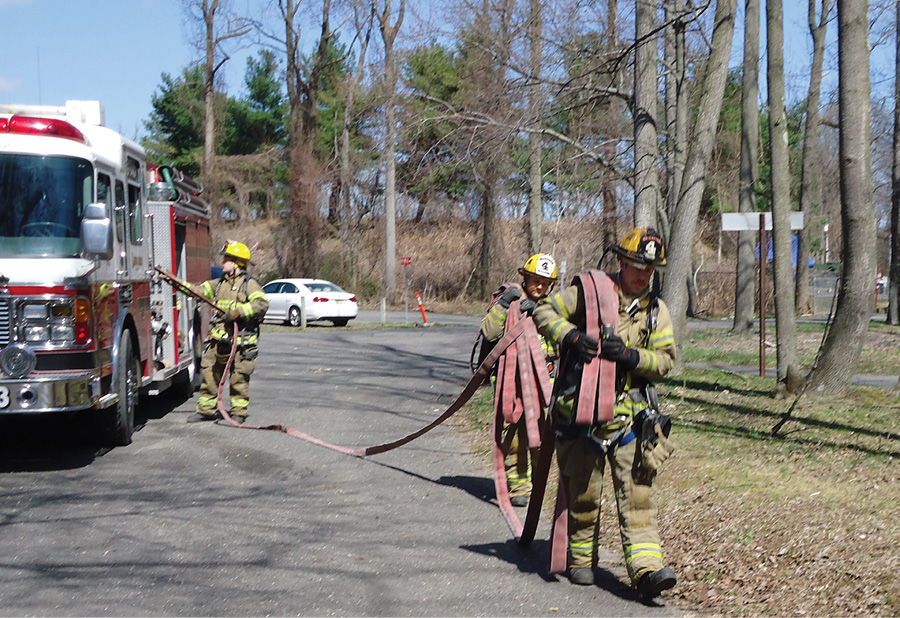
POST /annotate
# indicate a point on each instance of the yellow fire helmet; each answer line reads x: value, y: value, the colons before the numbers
x: 540, y: 264
x: 642, y: 246
x: 236, y: 250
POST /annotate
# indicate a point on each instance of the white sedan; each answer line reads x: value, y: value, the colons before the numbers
x: 323, y: 301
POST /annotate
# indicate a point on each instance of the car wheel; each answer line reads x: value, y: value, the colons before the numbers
x: 340, y: 321
x: 294, y: 317
x: 117, y: 421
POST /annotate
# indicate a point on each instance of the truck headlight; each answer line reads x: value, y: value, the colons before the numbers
x: 62, y: 332
x: 36, y: 334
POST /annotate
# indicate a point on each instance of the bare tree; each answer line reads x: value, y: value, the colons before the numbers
x: 785, y: 318
x: 303, y: 82
x: 842, y: 347
x: 646, y: 100
x: 745, y: 284
x: 676, y: 107
x: 215, y: 33
x: 389, y: 36
x: 893, y: 314
x: 363, y: 16
x: 684, y: 220
x: 535, y: 103
x: 810, y: 187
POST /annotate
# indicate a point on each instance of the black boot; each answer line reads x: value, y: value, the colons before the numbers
x: 199, y: 418
x: 651, y: 584
x: 581, y: 576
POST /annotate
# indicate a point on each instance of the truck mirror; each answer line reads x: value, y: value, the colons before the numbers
x: 96, y: 232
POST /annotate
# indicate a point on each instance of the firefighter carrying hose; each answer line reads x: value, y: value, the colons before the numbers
x: 538, y: 276
x: 244, y: 302
x: 635, y: 442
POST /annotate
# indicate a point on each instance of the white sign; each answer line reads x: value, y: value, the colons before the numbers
x: 749, y: 221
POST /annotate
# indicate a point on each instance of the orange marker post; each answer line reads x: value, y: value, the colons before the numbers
x: 421, y: 308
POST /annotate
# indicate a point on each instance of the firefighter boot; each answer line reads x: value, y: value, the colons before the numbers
x: 581, y: 576
x: 654, y: 582
x: 198, y: 417
x: 519, y: 500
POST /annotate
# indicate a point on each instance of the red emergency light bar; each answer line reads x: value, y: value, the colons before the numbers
x: 41, y: 126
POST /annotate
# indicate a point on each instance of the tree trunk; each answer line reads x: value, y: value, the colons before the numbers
x: 745, y: 284
x: 810, y: 187
x: 388, y: 36
x: 843, y: 344
x: 684, y: 222
x: 676, y: 109
x: 303, y: 228
x: 893, y: 315
x: 535, y: 101
x: 348, y: 221
x: 646, y: 98
x: 785, y: 318
x: 487, y: 229
x: 608, y: 178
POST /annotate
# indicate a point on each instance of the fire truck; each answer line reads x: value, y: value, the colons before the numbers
x: 85, y: 325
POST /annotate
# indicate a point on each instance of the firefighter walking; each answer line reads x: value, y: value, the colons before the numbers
x: 539, y: 273
x: 635, y: 442
x: 243, y: 301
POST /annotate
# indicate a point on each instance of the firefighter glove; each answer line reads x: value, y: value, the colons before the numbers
x: 613, y: 348
x: 508, y: 296
x: 527, y: 305
x: 581, y: 345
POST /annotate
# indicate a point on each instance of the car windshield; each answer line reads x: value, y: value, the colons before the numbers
x: 323, y: 287
x: 42, y: 201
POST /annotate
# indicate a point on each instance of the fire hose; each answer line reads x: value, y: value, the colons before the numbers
x: 519, y: 368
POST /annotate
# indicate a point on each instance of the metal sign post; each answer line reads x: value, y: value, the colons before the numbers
x: 751, y: 222
x: 406, y: 261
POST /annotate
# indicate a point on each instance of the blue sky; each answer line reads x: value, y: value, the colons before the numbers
x: 115, y: 51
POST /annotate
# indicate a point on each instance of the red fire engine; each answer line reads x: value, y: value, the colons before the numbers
x: 84, y: 324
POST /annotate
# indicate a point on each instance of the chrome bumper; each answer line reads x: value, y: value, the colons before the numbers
x: 77, y: 391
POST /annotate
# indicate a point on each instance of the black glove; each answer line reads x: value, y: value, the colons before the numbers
x: 527, y: 305
x: 581, y: 345
x: 508, y: 296
x: 613, y: 348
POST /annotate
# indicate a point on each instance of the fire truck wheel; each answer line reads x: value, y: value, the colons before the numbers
x: 117, y: 421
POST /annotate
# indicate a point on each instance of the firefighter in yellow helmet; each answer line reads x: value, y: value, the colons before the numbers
x: 244, y: 302
x: 538, y: 276
x: 635, y: 442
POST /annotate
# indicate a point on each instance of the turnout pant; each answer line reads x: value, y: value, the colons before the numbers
x: 581, y: 467
x: 518, y: 458
x: 213, y: 366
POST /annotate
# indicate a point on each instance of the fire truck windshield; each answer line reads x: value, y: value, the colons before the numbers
x: 42, y: 201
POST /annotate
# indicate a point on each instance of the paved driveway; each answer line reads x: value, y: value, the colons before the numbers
x: 209, y: 520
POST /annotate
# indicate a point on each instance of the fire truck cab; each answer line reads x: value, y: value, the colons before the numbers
x: 84, y: 324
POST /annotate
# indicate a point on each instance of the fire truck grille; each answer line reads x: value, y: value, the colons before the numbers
x: 5, y: 322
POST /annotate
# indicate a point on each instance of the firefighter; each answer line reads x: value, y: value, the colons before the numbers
x: 635, y: 442
x: 538, y: 276
x: 244, y: 302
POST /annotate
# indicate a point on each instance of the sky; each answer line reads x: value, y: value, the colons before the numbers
x: 116, y: 51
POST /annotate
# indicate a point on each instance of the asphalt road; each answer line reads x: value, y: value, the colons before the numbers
x: 210, y: 520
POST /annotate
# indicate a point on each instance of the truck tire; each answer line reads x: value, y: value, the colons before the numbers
x: 117, y: 421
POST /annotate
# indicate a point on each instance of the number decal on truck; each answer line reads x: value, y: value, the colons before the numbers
x: 4, y: 396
